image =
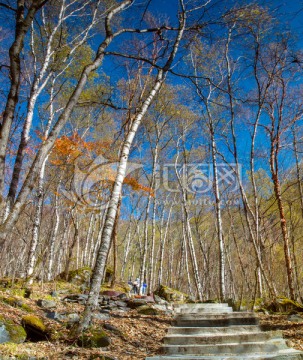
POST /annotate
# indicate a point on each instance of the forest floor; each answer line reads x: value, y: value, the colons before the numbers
x: 139, y: 335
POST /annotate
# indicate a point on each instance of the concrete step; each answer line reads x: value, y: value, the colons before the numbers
x: 227, y: 349
x: 206, y: 305
x: 201, y: 307
x: 237, y: 337
x: 288, y: 354
x: 213, y: 330
x: 235, y: 318
x: 204, y: 310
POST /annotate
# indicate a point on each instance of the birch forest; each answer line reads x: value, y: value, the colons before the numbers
x: 153, y: 140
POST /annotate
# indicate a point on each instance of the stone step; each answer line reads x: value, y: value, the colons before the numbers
x: 288, y: 354
x: 235, y: 318
x: 213, y: 330
x: 206, y: 305
x: 227, y: 349
x: 221, y: 338
x: 200, y: 307
x: 204, y: 310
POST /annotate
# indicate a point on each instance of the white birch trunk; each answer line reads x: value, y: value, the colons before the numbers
x: 53, y: 239
x: 117, y: 190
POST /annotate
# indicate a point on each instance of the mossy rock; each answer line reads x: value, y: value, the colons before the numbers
x: 12, y: 301
x: 94, y: 338
x: 35, y: 328
x: 27, y: 308
x: 170, y: 294
x: 147, y: 310
x: 283, y: 305
x: 79, y: 276
x: 11, y: 332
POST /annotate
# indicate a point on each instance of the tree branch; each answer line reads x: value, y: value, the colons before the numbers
x: 8, y: 7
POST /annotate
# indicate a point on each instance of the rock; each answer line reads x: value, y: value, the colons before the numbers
x: 122, y: 296
x: 159, y: 300
x: 121, y: 304
x: 104, y: 311
x: 47, y: 304
x: 149, y: 299
x: 76, y: 298
x: 54, y: 294
x: 163, y: 308
x: 135, y: 303
x: 12, y: 301
x: 94, y: 338
x: 34, y: 327
x: 295, y: 318
x: 283, y: 305
x: 64, y: 317
x: 148, y: 310
x: 73, y: 318
x: 170, y: 295
x: 111, y: 293
x: 80, y: 276
x: 122, y: 310
x: 10, y: 332
x: 113, y: 329
x: 101, y: 317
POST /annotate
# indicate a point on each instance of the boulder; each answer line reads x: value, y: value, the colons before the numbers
x: 295, y: 318
x: 170, y: 294
x: 122, y: 296
x: 135, y: 303
x: 113, y: 329
x: 35, y: 328
x: 10, y: 332
x: 76, y: 298
x: 47, y: 304
x: 111, y: 293
x: 102, y: 317
x: 94, y: 338
x: 283, y: 305
x: 148, y: 299
x: 164, y: 308
x: 121, y: 304
x: 78, y: 277
x: 148, y: 310
x: 64, y: 317
x: 159, y: 300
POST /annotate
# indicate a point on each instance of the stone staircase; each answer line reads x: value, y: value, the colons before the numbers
x: 214, y: 331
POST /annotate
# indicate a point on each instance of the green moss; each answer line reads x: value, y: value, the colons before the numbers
x: 170, y: 294
x: 147, y: 310
x: 109, y: 270
x: 94, y: 338
x: 79, y: 272
x: 34, y: 322
x: 17, y: 292
x: 283, y: 305
x: 27, y: 308
x: 16, y: 332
